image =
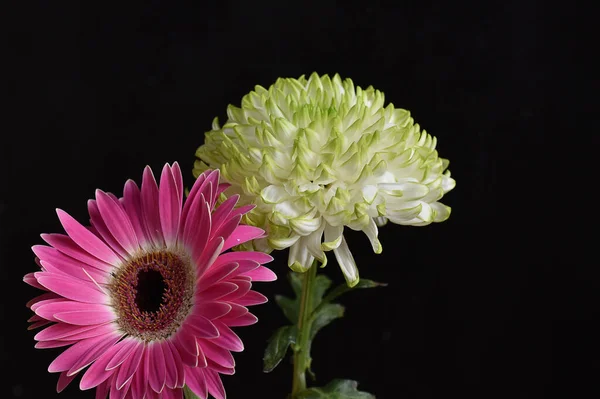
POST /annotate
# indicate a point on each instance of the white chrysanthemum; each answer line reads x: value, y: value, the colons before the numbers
x: 319, y: 154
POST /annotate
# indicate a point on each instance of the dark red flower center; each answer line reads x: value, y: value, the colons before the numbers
x: 153, y: 293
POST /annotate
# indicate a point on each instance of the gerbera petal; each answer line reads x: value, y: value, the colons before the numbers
x: 240, y: 256
x: 213, y: 310
x: 100, y: 227
x: 74, y: 354
x: 227, y: 338
x: 244, y: 284
x: 150, y: 209
x: 227, y: 228
x: 51, y: 344
x: 132, y: 203
x: 171, y: 368
x: 197, y: 226
x: 62, y: 331
x: 30, y: 279
x: 195, y: 380
x: 241, y: 321
x: 209, y: 255
x: 117, y: 221
x: 252, y: 298
x: 217, y: 291
x: 220, y: 369
x: 63, y: 381
x: 214, y: 384
x: 169, y: 203
x: 224, y: 210
x: 215, y: 274
x: 242, y: 234
x: 100, y: 371
x: 130, y: 365
x: 261, y: 274
x: 72, y: 288
x: 86, y: 239
x: 157, y: 375
x: 195, y: 191
x: 43, y: 297
x: 86, y: 317
x: 176, y: 170
x: 178, y: 364
x: 201, y: 326
x: 217, y: 353
x: 103, y: 390
x: 68, y: 247
x: 56, y: 261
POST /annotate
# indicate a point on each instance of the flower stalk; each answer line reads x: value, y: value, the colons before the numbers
x: 302, y: 349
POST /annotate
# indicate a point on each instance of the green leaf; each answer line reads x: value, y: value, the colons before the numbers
x: 336, y: 389
x: 277, y: 346
x: 343, y: 288
x: 188, y: 394
x: 322, y: 284
x: 325, y: 315
x: 364, y: 283
x: 290, y: 307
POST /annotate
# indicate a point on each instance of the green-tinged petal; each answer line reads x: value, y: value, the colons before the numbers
x: 317, y: 152
x: 346, y: 261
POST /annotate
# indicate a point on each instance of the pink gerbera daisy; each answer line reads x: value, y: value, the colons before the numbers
x: 146, y: 296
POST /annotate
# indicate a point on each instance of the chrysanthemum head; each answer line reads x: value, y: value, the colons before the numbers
x: 318, y: 154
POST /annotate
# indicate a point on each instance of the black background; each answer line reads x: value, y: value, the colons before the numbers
x: 484, y: 305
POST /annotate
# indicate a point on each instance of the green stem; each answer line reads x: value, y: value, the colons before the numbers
x: 302, y: 352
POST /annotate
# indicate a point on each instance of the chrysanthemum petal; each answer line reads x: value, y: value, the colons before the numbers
x: 346, y: 261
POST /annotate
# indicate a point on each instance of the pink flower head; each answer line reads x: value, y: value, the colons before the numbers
x: 146, y: 296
